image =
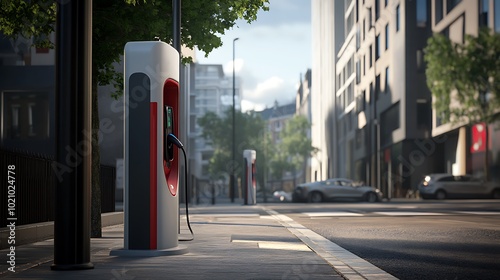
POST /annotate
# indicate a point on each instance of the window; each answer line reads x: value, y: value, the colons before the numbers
x: 350, y: 94
x: 377, y: 47
x: 497, y: 16
x: 386, y: 2
x: 350, y: 67
x: 370, y: 23
x: 370, y: 56
x: 371, y: 93
x: 349, y: 22
x: 386, y: 79
x: 377, y: 9
x: 364, y: 29
x: 358, y: 37
x: 397, y: 18
x: 358, y: 72
x: 424, y: 115
x: 377, y: 86
x: 439, y: 11
x: 450, y: 4
x: 483, y: 12
x: 364, y: 65
x: 386, y: 36
x: 421, y: 13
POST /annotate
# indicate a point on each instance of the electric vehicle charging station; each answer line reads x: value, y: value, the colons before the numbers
x: 250, y: 183
x: 151, y: 175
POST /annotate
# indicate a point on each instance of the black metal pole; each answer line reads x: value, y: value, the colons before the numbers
x: 233, y: 167
x: 73, y: 148
x: 176, y: 37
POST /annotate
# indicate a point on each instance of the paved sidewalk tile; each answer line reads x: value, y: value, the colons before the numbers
x: 231, y: 242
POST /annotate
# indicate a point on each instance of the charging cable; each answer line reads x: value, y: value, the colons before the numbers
x: 172, y: 139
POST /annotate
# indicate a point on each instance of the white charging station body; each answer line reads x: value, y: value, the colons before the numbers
x: 151, y: 201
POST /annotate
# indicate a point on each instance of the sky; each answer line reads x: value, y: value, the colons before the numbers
x: 270, y: 54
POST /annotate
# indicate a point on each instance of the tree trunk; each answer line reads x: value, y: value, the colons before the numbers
x: 96, y: 229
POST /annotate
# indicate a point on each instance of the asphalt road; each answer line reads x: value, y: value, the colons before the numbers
x: 456, y: 239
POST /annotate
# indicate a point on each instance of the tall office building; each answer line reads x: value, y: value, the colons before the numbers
x: 378, y: 113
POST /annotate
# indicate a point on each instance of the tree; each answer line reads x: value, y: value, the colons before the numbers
x: 116, y: 22
x: 294, y: 149
x: 249, y: 135
x: 465, y: 79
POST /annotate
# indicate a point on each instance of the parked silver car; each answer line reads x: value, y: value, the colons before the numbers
x: 335, y: 189
x: 442, y: 186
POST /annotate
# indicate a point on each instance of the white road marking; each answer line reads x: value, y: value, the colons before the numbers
x: 478, y: 212
x: 344, y: 262
x: 409, y: 213
x: 276, y: 245
x: 332, y: 214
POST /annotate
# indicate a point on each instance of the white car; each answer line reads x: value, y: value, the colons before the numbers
x: 442, y: 186
x: 335, y: 189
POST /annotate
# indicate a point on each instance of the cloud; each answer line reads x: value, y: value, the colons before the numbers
x: 271, y: 53
x: 281, y: 12
x: 266, y: 93
x: 238, y: 65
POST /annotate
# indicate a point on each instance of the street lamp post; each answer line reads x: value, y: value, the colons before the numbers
x: 233, y: 167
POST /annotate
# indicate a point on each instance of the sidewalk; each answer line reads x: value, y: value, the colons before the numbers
x: 231, y: 242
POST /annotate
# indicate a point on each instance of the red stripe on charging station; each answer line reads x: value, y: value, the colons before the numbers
x: 153, y: 142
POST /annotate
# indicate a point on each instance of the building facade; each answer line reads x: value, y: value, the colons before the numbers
x: 381, y: 109
x: 385, y: 132
x: 462, y: 154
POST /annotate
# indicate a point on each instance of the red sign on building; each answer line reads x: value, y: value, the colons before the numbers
x: 478, y: 138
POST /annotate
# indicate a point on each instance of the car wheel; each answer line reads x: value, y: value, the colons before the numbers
x: 496, y: 194
x: 371, y: 197
x: 440, y: 195
x: 315, y: 197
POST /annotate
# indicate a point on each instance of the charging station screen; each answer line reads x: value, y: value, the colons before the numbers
x: 169, y: 128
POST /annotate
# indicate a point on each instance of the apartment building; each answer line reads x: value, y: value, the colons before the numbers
x: 380, y: 115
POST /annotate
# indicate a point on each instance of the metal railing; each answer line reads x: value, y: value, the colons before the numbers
x: 35, y: 187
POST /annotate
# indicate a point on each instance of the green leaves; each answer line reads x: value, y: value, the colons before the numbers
x: 28, y: 19
x: 460, y: 75
x: 116, y: 22
x: 295, y: 147
x: 250, y: 134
